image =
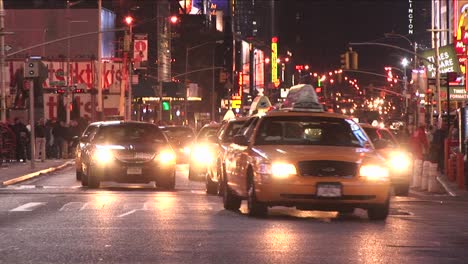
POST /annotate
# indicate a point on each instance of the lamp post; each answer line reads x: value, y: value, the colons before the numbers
x: 187, y: 49
x: 405, y: 63
x: 129, y: 22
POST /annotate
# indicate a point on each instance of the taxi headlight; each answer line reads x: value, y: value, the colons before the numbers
x: 399, y: 161
x: 374, y: 172
x: 278, y: 170
x: 102, y: 155
x: 202, y: 154
x: 167, y: 157
x: 186, y: 150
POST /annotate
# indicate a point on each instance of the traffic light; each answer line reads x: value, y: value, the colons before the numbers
x: 31, y: 69
x: 345, y: 60
x: 166, y: 106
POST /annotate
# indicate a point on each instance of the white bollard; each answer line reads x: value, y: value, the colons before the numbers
x: 425, y: 175
x: 417, y: 169
x: 433, y: 184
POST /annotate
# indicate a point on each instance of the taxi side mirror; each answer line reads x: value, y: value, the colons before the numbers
x: 82, y: 139
x: 240, y: 140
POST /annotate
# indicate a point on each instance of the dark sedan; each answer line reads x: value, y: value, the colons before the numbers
x: 181, y: 139
x: 128, y: 152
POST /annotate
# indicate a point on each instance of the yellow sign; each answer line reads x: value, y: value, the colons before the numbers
x: 274, y: 58
x: 236, y: 103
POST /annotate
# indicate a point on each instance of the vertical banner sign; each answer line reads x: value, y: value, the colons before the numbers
x: 274, y: 58
x: 140, y: 51
x: 410, y: 17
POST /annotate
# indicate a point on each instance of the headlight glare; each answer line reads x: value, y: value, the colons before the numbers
x: 202, y: 154
x: 374, y: 172
x: 283, y: 170
x: 167, y: 156
x: 399, y: 161
x: 102, y: 155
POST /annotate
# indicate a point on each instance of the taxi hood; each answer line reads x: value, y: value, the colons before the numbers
x: 296, y: 153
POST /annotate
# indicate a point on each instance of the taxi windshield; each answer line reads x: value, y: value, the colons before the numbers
x: 310, y: 130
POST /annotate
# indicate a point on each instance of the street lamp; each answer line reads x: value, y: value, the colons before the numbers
x: 129, y: 22
x: 213, y: 74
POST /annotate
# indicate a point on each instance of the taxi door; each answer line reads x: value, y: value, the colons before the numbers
x: 242, y: 156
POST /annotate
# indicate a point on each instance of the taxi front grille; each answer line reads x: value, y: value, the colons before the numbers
x: 327, y: 168
x: 130, y: 156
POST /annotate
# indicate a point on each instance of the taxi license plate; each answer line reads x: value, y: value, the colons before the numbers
x: 329, y: 190
x: 133, y: 170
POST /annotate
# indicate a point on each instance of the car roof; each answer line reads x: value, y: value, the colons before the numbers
x: 306, y: 113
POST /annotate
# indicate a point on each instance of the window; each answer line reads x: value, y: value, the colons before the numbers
x: 309, y: 130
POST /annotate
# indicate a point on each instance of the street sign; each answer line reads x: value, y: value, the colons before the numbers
x: 236, y: 103
x: 8, y: 48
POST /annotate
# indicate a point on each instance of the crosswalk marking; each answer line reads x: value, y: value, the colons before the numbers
x: 27, y: 207
x: 72, y: 206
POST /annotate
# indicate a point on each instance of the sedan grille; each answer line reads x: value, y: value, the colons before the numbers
x: 130, y: 156
x: 328, y: 168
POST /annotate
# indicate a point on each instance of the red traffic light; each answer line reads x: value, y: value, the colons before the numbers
x: 174, y: 19
x: 128, y: 20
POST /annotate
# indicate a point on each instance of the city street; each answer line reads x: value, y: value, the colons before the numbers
x: 52, y: 219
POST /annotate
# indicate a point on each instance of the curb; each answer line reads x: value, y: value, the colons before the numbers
x: 446, y: 187
x: 35, y: 174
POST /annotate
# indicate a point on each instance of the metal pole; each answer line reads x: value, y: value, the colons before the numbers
x: 186, y: 84
x: 68, y: 82
x: 213, y: 96
x: 2, y: 62
x: 99, y: 64
x: 31, y: 122
x: 439, y: 105
x: 129, y: 77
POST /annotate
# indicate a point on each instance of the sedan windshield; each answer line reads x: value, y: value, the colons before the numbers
x: 310, y: 130
x: 129, y: 132
x: 178, y: 132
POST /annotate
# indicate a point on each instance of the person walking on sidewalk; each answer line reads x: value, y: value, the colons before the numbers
x: 437, y: 146
x: 60, y: 133
x: 22, y: 135
x: 40, y: 133
x: 420, y: 145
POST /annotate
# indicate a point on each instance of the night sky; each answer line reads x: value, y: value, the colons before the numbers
x: 327, y: 26
x: 323, y: 31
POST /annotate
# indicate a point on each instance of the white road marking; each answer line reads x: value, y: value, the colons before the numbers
x: 27, y: 207
x: 84, y: 207
x: 72, y: 206
x: 127, y: 213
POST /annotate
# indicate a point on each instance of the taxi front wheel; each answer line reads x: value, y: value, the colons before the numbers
x: 256, y: 208
x: 379, y: 212
x: 230, y: 200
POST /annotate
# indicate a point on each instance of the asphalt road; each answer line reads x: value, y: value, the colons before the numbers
x: 52, y: 219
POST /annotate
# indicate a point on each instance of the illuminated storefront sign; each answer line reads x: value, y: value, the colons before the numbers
x: 410, y: 17
x: 274, y: 58
x: 448, y: 60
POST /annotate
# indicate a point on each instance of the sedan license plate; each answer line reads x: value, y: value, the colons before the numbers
x: 133, y: 170
x: 328, y: 190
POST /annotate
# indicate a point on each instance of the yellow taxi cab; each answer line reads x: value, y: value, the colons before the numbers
x: 399, y: 159
x: 308, y: 159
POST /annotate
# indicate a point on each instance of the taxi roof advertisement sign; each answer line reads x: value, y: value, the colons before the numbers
x: 448, y: 60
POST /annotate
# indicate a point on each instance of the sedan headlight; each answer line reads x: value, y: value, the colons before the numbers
x: 167, y: 157
x: 102, y: 155
x: 278, y: 170
x: 202, y: 154
x: 399, y: 161
x: 374, y: 172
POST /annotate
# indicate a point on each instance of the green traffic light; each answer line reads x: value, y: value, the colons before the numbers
x: 166, y: 106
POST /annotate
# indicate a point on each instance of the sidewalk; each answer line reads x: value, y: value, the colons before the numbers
x: 452, y: 188
x: 14, y: 172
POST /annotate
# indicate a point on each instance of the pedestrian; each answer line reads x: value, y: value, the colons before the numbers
x: 40, y: 140
x: 22, y: 135
x: 59, y: 132
x: 437, y: 146
x: 419, y: 143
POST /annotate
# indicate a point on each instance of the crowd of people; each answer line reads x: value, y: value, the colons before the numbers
x: 53, y: 138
